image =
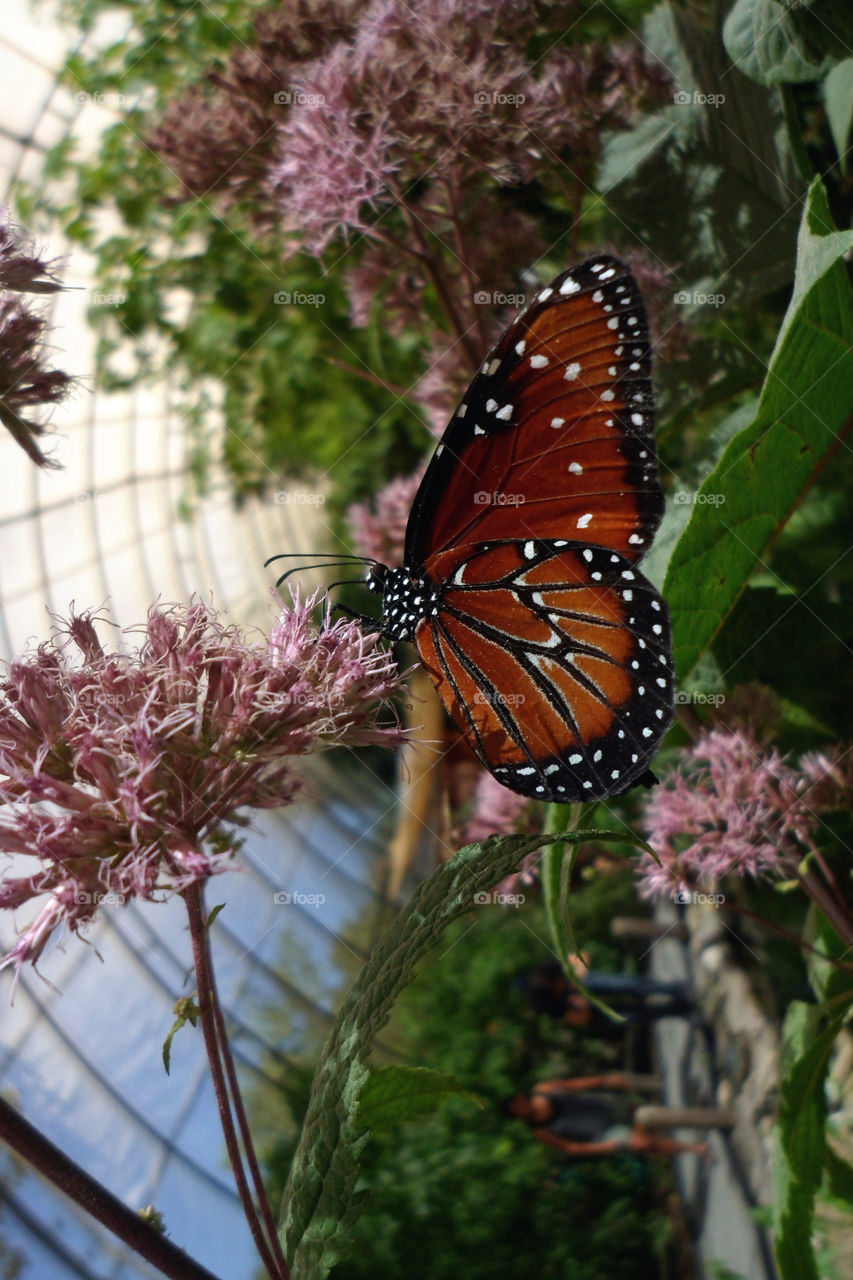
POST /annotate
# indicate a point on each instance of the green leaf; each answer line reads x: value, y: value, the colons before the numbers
x: 769, y: 45
x: 320, y: 1202
x: 803, y: 415
x: 837, y: 1177
x: 837, y: 90
x: 213, y: 913
x: 187, y: 1011
x: 393, y: 1094
x: 828, y: 981
x: 555, y: 877
x: 799, y: 1137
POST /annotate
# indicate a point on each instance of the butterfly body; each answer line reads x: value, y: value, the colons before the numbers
x: 548, y: 647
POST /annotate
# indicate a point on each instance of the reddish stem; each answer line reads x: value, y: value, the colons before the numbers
x: 837, y: 914
x: 245, y: 1133
x: 95, y: 1199
x: 788, y: 935
x: 445, y: 295
x: 210, y: 1017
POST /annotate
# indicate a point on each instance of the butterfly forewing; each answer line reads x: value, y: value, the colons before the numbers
x: 553, y: 661
x: 555, y: 436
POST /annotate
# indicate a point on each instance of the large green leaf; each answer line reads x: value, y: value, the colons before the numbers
x: 320, y: 1202
x: 799, y: 1138
x: 804, y: 413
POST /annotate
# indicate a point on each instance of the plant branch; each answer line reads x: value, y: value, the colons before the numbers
x: 96, y: 1200
x: 837, y: 915
x: 246, y: 1135
x: 208, y: 1011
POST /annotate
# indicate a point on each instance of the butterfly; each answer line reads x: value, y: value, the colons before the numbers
x: 549, y: 649
x: 551, y: 652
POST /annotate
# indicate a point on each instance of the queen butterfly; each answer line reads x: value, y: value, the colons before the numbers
x: 549, y: 649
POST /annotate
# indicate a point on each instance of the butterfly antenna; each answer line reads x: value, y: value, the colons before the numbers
x: 321, y: 564
x: 333, y: 557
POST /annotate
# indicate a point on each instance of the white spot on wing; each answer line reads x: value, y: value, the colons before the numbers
x: 572, y: 371
x: 584, y: 520
x: 538, y: 362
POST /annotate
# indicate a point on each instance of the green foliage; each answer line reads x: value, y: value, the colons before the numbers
x: 466, y: 1192
x: 800, y: 1139
x: 769, y: 466
x: 802, y: 1160
x: 720, y: 148
x: 555, y: 871
x: 321, y: 1205
x: 838, y: 100
x: 474, y: 1196
x: 787, y: 41
x: 187, y: 1011
x: 393, y: 1094
x: 298, y: 386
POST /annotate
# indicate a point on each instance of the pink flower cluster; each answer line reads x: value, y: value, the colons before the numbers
x: 25, y: 381
x: 734, y: 806
x: 118, y: 770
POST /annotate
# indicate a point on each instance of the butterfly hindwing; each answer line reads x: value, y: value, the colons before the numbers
x: 552, y: 657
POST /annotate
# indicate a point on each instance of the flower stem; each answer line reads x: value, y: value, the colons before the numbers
x: 246, y: 1136
x: 97, y: 1201
x: 837, y: 915
x: 788, y: 934
x: 216, y: 1045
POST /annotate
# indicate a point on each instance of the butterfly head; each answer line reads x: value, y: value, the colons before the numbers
x: 406, y: 599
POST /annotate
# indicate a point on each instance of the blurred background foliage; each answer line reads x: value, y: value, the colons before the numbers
x: 465, y: 1191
